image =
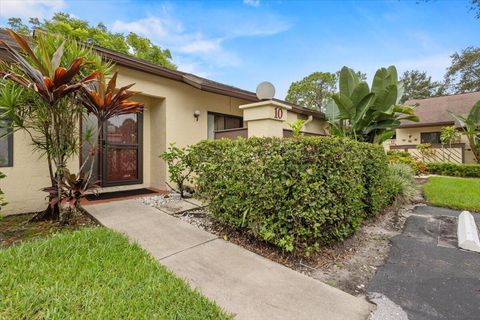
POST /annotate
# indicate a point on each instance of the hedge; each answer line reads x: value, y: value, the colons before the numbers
x: 406, y: 158
x: 454, y: 169
x: 297, y: 194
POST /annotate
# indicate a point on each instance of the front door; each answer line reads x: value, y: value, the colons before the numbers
x: 121, y: 155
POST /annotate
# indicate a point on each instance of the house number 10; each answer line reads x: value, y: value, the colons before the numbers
x: 278, y: 113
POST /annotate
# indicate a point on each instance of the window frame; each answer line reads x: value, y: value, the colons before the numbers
x: 438, y: 133
x: 9, y: 138
x: 225, y: 118
x: 224, y: 121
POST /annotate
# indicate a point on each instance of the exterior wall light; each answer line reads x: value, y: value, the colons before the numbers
x: 196, y: 114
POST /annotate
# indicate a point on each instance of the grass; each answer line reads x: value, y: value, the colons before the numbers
x: 456, y: 193
x: 93, y: 273
x: 17, y: 228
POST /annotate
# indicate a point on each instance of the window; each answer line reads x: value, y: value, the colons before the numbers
x: 218, y: 121
x: 6, y: 147
x: 430, y: 137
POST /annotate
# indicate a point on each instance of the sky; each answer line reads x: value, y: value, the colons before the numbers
x: 245, y: 42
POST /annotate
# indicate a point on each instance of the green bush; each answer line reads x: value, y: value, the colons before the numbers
x: 454, y: 169
x: 401, y: 180
x: 406, y: 158
x: 179, y: 167
x: 298, y: 193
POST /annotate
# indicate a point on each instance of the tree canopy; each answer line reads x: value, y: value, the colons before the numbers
x: 131, y: 44
x: 463, y: 74
x: 418, y: 85
x: 313, y: 91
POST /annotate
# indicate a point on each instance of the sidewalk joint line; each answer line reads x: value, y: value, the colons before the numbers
x: 194, y: 246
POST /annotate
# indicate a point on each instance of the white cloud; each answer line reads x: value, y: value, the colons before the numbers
x: 266, y: 25
x: 187, y: 65
x: 434, y: 65
x: 253, y: 3
x: 149, y: 26
x: 30, y: 8
x: 203, y: 50
x: 201, y: 46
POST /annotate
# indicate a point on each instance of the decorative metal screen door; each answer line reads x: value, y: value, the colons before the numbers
x: 122, y: 150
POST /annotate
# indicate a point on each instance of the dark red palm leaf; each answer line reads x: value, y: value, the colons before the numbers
x: 50, y: 90
x: 26, y: 48
x: 111, y: 85
x: 66, y: 75
x: 104, y: 102
x: 15, y: 77
x: 35, y: 76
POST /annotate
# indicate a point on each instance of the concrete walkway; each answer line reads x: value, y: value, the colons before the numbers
x: 241, y: 282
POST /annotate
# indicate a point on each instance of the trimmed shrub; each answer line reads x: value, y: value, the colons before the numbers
x: 401, y: 180
x: 406, y: 158
x: 454, y: 169
x: 297, y: 193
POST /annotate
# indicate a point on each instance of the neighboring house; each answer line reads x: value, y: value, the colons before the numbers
x: 434, y: 114
x: 179, y: 107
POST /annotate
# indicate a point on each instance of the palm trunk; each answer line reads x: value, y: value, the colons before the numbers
x: 60, y: 163
x: 474, y: 147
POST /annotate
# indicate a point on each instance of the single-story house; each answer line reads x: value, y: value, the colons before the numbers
x: 434, y: 114
x: 179, y: 107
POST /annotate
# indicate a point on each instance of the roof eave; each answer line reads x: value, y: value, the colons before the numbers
x: 426, y: 124
x: 190, y: 79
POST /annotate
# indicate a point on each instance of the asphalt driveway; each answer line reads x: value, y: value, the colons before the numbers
x: 426, y: 274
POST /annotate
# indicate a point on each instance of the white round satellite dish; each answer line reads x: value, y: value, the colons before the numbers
x: 265, y: 91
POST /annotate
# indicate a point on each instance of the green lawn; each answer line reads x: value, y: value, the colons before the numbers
x: 93, y: 273
x: 457, y: 193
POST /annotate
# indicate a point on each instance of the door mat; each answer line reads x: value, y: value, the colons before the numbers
x: 119, y: 194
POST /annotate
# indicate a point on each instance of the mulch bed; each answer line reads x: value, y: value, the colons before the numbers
x: 347, y: 265
x: 20, y: 227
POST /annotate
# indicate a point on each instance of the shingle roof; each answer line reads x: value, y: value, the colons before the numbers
x: 436, y: 110
x: 188, y: 78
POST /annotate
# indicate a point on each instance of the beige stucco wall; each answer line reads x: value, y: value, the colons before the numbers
x: 168, y: 117
x: 411, y: 136
x: 315, y: 126
x: 26, y: 178
x: 169, y: 112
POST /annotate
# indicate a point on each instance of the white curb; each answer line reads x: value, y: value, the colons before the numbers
x: 467, y: 232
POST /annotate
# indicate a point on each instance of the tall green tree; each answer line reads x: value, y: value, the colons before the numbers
x: 463, y: 74
x: 418, y: 85
x: 78, y: 29
x: 313, y: 91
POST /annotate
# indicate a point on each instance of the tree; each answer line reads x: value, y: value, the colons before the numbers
x: 475, y: 6
x: 45, y: 92
x: 417, y: 85
x: 362, y: 76
x: 365, y: 114
x: 448, y: 135
x: 313, y: 91
x: 463, y: 75
x: 66, y: 25
x: 471, y: 128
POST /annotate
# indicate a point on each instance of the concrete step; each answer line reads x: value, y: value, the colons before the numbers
x: 467, y: 232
